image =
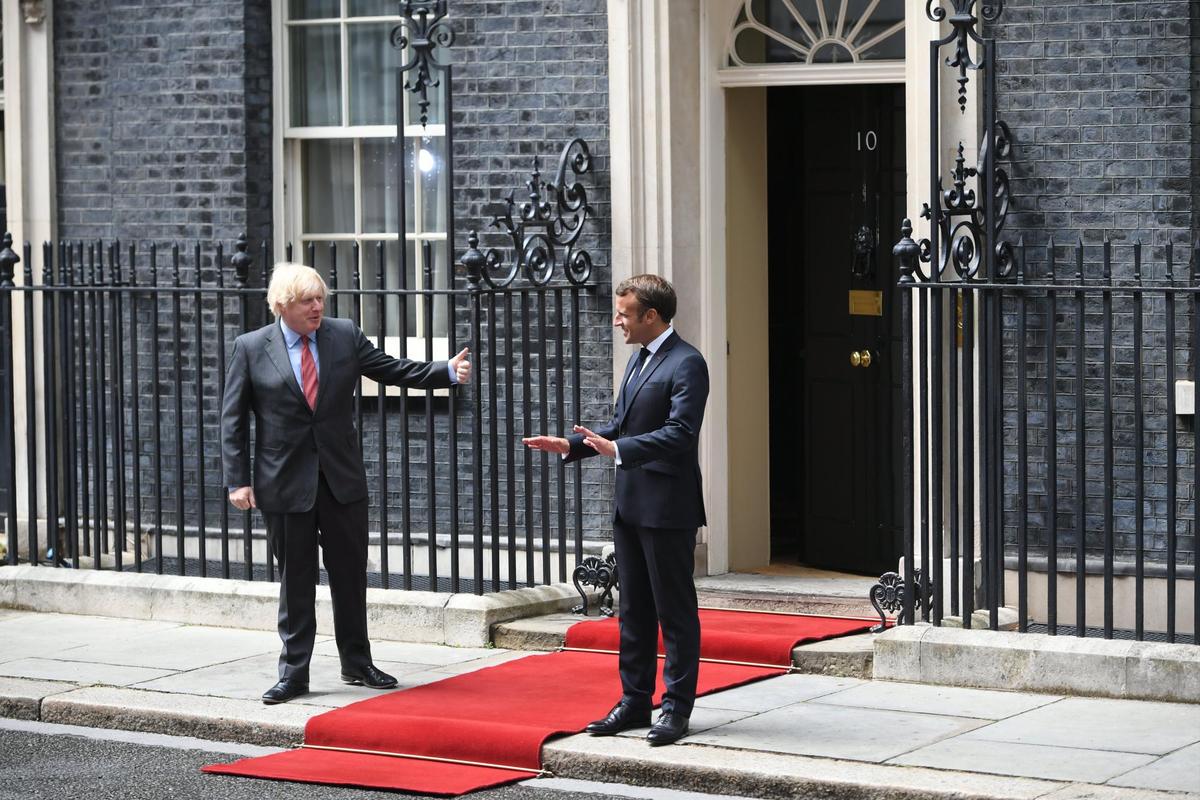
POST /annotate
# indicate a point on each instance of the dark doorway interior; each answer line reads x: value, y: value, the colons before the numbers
x: 836, y: 189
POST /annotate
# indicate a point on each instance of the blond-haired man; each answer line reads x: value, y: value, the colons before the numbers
x: 297, y: 377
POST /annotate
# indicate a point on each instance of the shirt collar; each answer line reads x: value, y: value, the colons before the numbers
x: 290, y: 337
x: 658, y: 342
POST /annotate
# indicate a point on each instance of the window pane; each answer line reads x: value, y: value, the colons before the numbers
x: 314, y: 9
x: 327, y: 179
x: 430, y: 158
x: 440, y: 281
x: 374, y: 8
x: 886, y: 15
x: 316, y: 75
x: 322, y: 255
x: 372, y: 253
x: 373, y: 65
x: 379, y: 187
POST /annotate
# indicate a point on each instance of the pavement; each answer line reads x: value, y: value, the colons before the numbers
x: 798, y: 735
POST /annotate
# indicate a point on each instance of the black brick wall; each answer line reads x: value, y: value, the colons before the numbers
x: 163, y: 115
x: 1100, y: 99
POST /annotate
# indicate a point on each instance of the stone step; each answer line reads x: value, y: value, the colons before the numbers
x: 846, y: 656
x: 822, y: 605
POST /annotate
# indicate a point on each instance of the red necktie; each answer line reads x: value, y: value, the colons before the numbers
x: 308, y: 373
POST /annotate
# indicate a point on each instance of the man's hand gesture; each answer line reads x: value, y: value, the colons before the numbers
x: 548, y: 444
x: 603, y: 446
x: 462, y: 367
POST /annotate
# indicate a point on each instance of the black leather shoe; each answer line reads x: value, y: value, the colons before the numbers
x: 621, y: 718
x: 371, y: 676
x: 669, y: 728
x: 283, y: 691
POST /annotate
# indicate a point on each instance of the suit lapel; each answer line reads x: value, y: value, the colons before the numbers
x: 655, y: 360
x: 277, y: 350
x: 623, y: 392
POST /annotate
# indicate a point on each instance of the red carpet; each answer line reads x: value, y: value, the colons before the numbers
x: 497, y: 718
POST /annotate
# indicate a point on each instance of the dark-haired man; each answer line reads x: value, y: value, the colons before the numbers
x: 653, y: 438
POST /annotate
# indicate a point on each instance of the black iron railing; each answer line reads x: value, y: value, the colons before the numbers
x: 1047, y: 465
x: 1066, y: 459
x: 134, y: 346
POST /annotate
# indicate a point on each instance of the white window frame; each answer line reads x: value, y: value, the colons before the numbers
x: 288, y: 196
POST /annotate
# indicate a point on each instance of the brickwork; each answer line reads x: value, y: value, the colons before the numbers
x: 1099, y: 97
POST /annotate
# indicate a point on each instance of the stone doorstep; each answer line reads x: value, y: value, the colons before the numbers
x: 846, y: 656
x: 1040, y: 663
x: 822, y: 605
x: 463, y: 620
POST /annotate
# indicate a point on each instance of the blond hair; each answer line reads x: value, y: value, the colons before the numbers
x: 292, y: 282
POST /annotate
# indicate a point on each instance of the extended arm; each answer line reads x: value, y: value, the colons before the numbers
x: 382, y: 368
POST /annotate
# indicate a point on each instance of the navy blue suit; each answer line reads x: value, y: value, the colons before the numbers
x: 658, y: 506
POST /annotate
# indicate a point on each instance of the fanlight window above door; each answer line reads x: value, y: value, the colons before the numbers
x: 817, y: 32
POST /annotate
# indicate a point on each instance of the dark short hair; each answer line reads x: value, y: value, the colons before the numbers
x: 651, y: 291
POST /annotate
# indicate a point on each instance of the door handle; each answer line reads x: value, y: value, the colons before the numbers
x: 860, y: 358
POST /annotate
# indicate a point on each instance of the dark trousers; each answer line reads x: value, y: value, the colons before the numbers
x: 655, y: 566
x: 341, y: 531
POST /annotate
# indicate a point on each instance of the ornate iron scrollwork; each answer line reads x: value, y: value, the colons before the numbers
x: 601, y: 574
x: 888, y: 596
x: 961, y: 216
x: 963, y: 22
x: 550, y: 221
x: 424, y: 30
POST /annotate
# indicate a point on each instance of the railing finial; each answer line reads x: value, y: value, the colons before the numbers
x: 8, y: 261
x: 241, y: 261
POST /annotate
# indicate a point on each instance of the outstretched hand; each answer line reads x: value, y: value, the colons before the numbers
x: 548, y: 444
x: 603, y: 446
x: 461, y: 366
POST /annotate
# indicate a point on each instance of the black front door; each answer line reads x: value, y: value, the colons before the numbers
x: 836, y: 194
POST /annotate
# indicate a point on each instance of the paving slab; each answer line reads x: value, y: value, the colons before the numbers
x: 947, y: 701
x: 1092, y: 723
x: 813, y: 729
x: 772, y: 775
x: 773, y: 693
x: 433, y: 655
x: 494, y: 658
x: 181, y: 647
x: 1083, y: 791
x: 182, y: 715
x: 21, y: 698
x: 1174, y: 772
x: 82, y: 672
x: 248, y: 678
x: 29, y: 634
x: 1027, y: 760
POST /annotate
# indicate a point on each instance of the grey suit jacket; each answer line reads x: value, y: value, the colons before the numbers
x: 292, y: 442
